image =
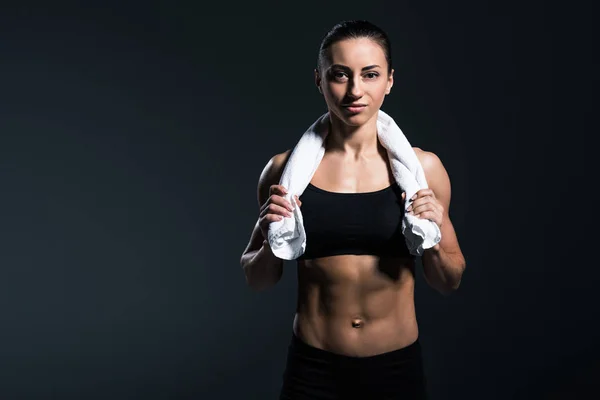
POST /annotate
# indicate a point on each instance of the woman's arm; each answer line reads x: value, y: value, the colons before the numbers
x: 261, y: 267
x: 444, y: 263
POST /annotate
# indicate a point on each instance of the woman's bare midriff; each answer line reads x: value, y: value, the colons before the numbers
x: 356, y: 305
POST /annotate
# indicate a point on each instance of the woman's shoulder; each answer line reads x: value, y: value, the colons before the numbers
x: 279, y: 160
x: 432, y: 165
x: 275, y: 165
x: 271, y: 173
x: 428, y: 159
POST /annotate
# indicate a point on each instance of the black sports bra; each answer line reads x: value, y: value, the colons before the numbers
x: 353, y: 223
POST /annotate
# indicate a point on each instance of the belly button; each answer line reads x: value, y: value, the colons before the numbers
x: 357, y: 323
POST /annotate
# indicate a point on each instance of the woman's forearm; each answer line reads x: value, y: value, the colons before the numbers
x: 262, y: 268
x: 443, y: 270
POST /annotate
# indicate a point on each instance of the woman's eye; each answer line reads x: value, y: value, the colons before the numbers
x: 338, y: 75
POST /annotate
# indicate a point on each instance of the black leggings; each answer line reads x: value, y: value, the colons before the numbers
x: 316, y: 374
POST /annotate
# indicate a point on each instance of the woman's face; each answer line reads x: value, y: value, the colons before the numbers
x: 355, y: 74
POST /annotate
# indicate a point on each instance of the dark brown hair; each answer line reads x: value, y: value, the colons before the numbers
x: 355, y: 29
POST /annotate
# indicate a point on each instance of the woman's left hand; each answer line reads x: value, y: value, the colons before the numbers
x: 426, y: 205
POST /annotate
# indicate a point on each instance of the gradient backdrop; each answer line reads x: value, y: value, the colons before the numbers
x: 131, y: 141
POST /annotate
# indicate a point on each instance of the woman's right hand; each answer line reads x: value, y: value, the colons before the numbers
x: 275, y: 208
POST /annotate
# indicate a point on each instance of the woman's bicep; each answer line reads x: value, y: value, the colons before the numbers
x: 270, y: 175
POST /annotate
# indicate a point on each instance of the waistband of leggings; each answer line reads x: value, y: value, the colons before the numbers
x: 409, y: 352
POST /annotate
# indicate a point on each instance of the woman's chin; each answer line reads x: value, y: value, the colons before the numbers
x: 350, y: 118
x: 356, y: 119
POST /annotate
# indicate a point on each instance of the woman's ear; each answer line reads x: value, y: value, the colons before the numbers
x: 390, y: 82
x: 318, y: 80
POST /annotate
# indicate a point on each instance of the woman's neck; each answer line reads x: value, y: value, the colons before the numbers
x: 355, y: 141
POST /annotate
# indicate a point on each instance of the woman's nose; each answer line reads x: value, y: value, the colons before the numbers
x: 355, y: 89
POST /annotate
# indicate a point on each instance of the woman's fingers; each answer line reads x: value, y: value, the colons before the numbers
x: 278, y: 200
x: 275, y: 209
x: 278, y: 190
x: 422, y: 205
x: 271, y: 218
x: 421, y: 208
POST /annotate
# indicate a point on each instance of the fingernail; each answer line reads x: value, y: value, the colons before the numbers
x: 414, y: 197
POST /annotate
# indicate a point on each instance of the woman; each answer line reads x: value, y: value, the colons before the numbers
x: 355, y: 333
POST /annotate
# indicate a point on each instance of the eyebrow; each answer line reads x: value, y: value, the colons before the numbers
x: 368, y: 67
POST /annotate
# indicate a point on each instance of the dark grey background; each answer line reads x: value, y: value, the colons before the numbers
x: 131, y: 141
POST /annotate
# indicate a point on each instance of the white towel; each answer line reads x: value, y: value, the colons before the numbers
x: 287, y: 237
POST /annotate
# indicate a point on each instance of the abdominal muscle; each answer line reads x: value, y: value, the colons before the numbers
x: 356, y: 305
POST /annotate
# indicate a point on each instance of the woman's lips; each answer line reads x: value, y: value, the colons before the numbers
x: 355, y: 109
